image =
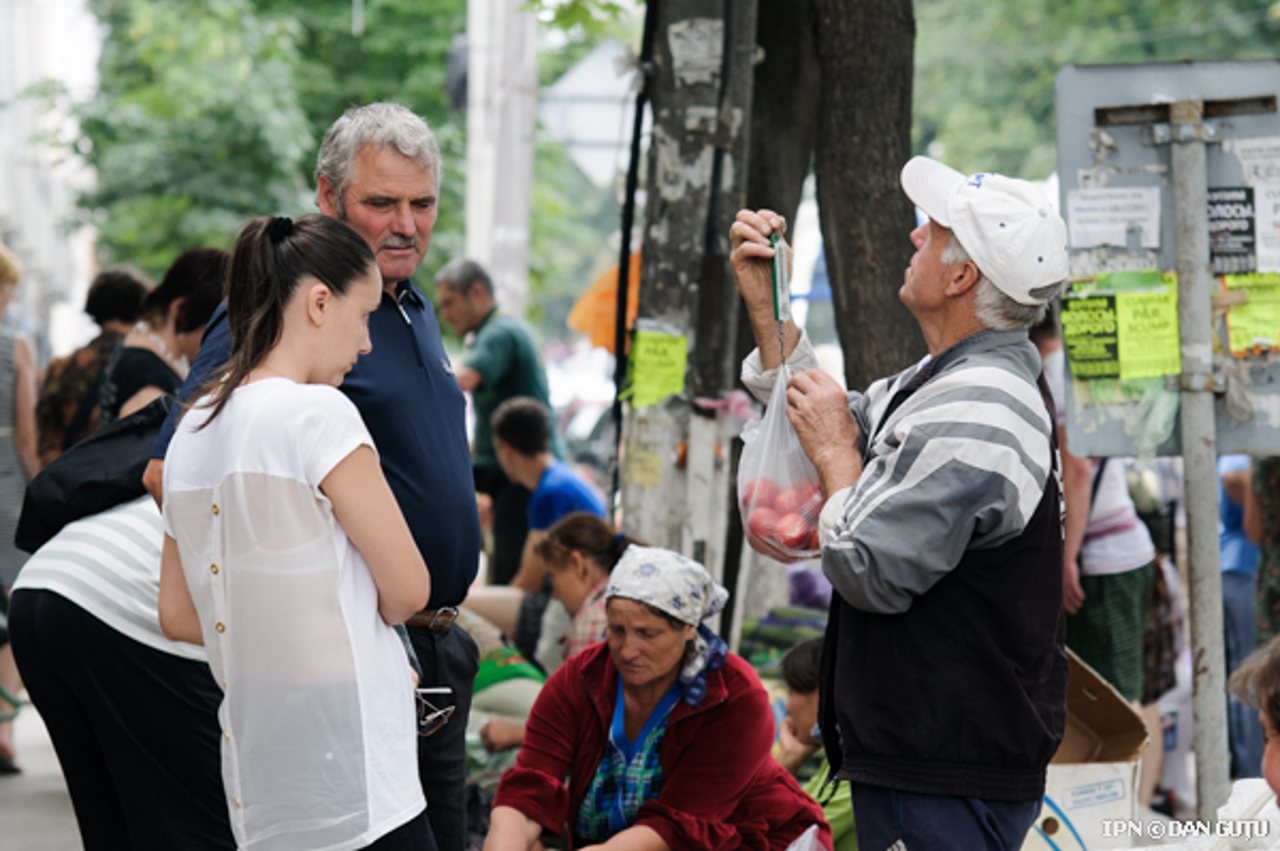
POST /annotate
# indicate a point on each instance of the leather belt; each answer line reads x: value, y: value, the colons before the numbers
x: 436, y: 620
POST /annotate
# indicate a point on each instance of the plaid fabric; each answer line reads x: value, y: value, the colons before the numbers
x: 622, y: 785
x: 587, y: 626
x: 1107, y: 632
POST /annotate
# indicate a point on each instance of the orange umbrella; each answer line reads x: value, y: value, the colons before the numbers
x: 595, y: 313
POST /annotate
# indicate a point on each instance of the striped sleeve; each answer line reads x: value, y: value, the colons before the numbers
x: 962, y: 464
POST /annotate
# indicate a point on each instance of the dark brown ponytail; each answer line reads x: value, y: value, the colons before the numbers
x: 271, y: 256
x: 585, y: 533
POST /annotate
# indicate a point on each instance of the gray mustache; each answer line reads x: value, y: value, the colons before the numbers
x: 395, y: 241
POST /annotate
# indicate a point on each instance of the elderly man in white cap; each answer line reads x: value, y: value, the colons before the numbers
x: 944, y: 674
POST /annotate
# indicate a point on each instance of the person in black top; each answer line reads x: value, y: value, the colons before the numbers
x: 154, y: 357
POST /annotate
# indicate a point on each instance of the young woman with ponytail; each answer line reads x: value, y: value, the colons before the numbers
x: 287, y: 556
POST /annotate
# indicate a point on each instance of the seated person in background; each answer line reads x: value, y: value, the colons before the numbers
x: 798, y: 741
x: 662, y: 734
x: 154, y: 357
x: 522, y: 440
x: 579, y: 552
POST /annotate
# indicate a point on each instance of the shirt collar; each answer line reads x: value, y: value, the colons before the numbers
x: 407, y: 292
x: 983, y: 341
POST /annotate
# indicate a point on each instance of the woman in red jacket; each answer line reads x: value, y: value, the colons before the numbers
x: 664, y: 736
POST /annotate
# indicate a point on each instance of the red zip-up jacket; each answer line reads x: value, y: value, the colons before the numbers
x: 721, y: 788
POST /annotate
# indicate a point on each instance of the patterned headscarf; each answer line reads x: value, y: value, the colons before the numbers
x: 681, y: 588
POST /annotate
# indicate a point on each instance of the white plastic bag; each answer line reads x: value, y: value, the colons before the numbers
x: 779, y: 494
x: 807, y: 841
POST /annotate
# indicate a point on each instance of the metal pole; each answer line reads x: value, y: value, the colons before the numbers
x: 1199, y: 453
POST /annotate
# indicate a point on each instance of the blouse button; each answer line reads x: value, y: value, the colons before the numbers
x: 215, y: 509
x: 219, y: 627
x: 213, y: 568
x: 227, y: 734
x: 237, y: 800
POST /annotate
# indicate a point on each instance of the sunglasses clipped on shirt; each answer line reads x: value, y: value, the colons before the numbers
x: 432, y: 718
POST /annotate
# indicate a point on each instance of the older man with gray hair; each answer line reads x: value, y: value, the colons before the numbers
x: 944, y: 674
x: 378, y: 171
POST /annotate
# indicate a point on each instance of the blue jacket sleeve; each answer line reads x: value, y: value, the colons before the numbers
x: 215, y: 349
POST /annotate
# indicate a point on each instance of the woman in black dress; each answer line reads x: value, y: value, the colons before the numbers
x: 154, y: 357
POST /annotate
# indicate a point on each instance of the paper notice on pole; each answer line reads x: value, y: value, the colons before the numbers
x: 1231, y: 231
x: 1259, y: 159
x: 1089, y: 336
x: 1107, y: 216
x: 1147, y: 324
x: 1267, y: 227
x: 1257, y: 322
x: 657, y: 367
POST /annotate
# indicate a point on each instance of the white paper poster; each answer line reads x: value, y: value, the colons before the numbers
x: 1106, y: 216
x: 1266, y: 204
x: 1259, y: 159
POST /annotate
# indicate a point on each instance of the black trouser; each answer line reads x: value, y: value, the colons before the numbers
x: 136, y: 730
x: 413, y: 835
x: 510, y: 522
x: 448, y: 658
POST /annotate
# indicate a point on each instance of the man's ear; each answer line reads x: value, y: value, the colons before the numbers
x: 964, y: 278
x: 175, y: 308
x: 326, y: 198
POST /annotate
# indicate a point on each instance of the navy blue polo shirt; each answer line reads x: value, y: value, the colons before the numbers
x: 415, y: 411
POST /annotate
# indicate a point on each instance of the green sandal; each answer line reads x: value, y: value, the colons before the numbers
x: 12, y: 701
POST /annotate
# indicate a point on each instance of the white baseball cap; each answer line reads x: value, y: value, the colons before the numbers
x: 1007, y: 225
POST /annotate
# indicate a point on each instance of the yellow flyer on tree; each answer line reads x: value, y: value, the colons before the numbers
x: 657, y: 366
x: 1257, y: 322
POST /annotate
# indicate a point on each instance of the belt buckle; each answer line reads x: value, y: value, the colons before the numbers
x: 447, y: 614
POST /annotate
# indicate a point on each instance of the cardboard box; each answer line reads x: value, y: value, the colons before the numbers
x: 1094, y: 775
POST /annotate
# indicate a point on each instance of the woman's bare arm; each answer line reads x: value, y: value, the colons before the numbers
x: 24, y: 408
x: 368, y: 511
x: 178, y: 618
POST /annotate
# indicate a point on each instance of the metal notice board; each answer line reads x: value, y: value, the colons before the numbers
x: 1114, y: 133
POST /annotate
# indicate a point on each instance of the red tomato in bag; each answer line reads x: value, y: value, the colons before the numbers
x: 812, y: 506
x: 763, y: 523
x: 788, y: 501
x: 760, y: 493
x: 793, y: 532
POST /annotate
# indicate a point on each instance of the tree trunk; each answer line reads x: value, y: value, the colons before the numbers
x: 784, y: 107
x: 674, y: 493
x: 865, y: 50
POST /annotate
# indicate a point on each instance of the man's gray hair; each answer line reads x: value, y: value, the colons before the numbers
x: 383, y: 125
x: 460, y: 273
x: 994, y: 310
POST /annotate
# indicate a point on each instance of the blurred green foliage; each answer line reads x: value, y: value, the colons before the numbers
x: 210, y: 112
x: 985, y: 69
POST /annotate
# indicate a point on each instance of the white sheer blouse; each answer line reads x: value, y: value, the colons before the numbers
x: 319, y: 742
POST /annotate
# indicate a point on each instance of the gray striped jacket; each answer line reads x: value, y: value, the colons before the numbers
x: 960, y: 463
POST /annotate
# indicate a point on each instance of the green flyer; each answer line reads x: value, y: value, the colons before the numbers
x: 1148, y: 333
x: 1257, y: 321
x: 1090, y: 336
